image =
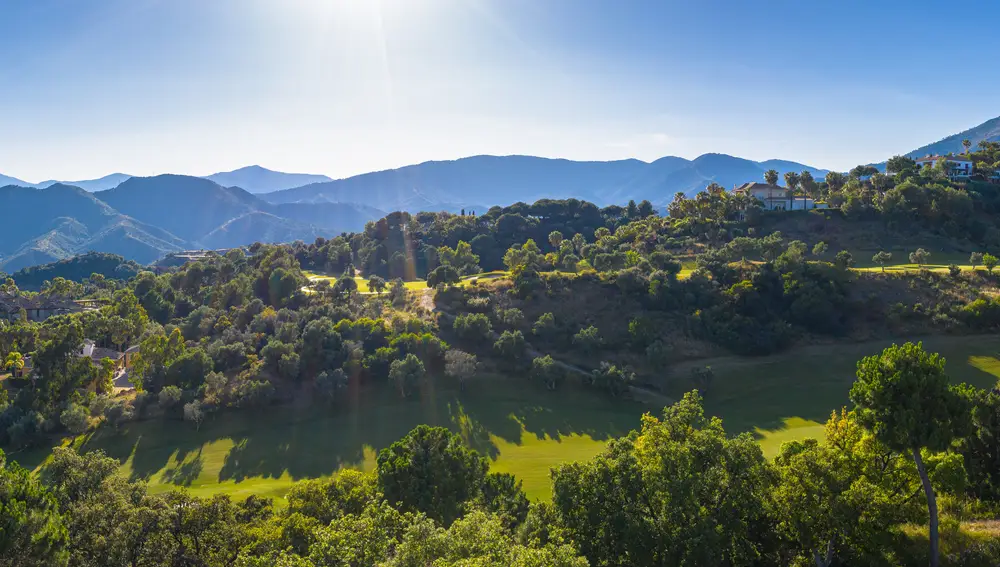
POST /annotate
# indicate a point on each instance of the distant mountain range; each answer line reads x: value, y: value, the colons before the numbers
x: 254, y: 179
x: 257, y: 179
x: 143, y: 218
x: 480, y: 181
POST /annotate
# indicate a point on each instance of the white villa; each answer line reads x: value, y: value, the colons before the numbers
x: 775, y: 198
x: 961, y: 167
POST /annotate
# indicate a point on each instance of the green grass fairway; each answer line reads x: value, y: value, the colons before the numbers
x: 939, y: 261
x: 524, y: 430
x: 362, y: 282
x: 790, y: 395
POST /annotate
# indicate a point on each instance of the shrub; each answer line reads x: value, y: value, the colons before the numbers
x: 511, y: 317
x: 329, y: 384
x: 406, y: 374
x: 169, y: 397
x: 251, y: 394
x: 512, y: 349
x: 545, y: 370
x: 844, y: 260
x: 193, y: 412
x: 588, y: 338
x: 614, y: 380
x: 990, y: 261
x: 473, y: 327
x: 443, y: 275
x: 954, y: 271
x: 75, y: 419
x: 544, y: 326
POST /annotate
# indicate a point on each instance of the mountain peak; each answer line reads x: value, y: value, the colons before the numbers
x: 258, y: 179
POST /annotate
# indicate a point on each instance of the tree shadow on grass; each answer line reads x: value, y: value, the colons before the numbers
x: 812, y: 382
x: 321, y: 440
x: 185, y: 472
x: 317, y: 441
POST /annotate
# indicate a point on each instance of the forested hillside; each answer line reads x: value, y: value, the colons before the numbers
x: 479, y: 181
x: 77, y: 269
x: 527, y: 331
x: 144, y: 218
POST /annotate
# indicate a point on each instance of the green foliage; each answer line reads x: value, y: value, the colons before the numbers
x: 919, y: 256
x: 431, y: 471
x: 546, y: 370
x: 512, y: 349
x: 723, y: 522
x: 588, y: 338
x: 444, y: 274
x: 882, y: 258
x: 839, y: 500
x: 613, y: 380
x: 473, y: 327
x: 981, y: 448
x: 903, y: 396
x: 329, y: 385
x: 32, y: 531
x: 406, y: 374
x: 545, y: 326
x: 990, y: 261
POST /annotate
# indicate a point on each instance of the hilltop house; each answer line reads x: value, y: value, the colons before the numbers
x: 37, y: 308
x: 775, y: 198
x: 961, y: 167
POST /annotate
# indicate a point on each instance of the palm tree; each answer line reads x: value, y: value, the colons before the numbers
x: 14, y: 362
x: 966, y: 144
x: 771, y: 177
x: 792, y: 181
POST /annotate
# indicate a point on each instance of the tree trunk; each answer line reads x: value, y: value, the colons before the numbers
x: 825, y: 560
x: 931, y: 505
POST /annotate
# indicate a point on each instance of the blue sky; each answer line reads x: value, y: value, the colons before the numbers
x: 346, y: 86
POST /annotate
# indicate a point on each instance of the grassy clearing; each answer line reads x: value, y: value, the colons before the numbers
x: 362, y: 282
x: 790, y: 395
x: 524, y: 430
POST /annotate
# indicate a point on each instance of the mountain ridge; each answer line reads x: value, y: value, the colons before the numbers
x: 989, y: 131
x: 257, y: 179
x: 502, y: 180
x: 143, y: 219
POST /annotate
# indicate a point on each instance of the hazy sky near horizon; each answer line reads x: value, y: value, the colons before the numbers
x: 342, y: 87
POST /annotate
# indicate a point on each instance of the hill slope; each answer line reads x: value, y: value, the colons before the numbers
x: 257, y: 179
x: 501, y: 180
x: 61, y: 221
x: 91, y: 185
x: 7, y: 180
x: 77, y: 268
x: 258, y: 226
x: 209, y: 215
x: 989, y: 131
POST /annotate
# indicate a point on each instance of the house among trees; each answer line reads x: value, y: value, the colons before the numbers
x: 122, y: 360
x: 961, y: 167
x: 36, y: 309
x: 776, y: 198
